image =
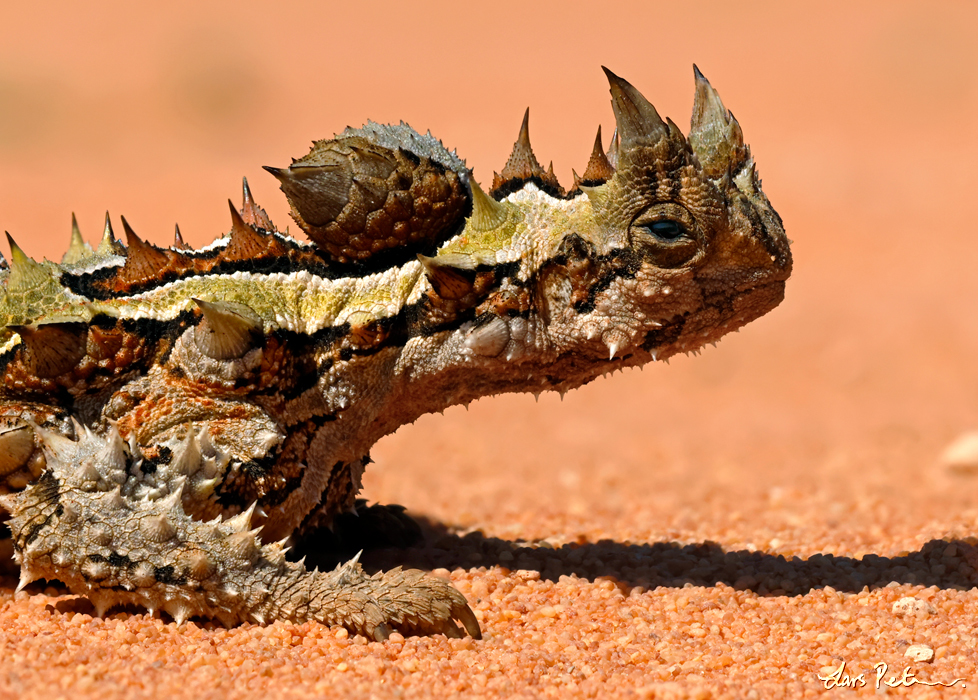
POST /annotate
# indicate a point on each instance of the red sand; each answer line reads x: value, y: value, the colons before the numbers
x: 816, y: 431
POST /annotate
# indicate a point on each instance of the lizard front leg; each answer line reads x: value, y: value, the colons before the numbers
x: 78, y: 525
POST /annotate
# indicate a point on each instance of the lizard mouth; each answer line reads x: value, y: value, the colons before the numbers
x: 736, y: 312
x: 689, y: 332
x: 755, y: 302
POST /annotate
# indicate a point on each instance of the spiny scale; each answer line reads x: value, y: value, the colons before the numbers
x: 523, y: 167
x: 51, y: 349
x: 714, y: 133
x: 228, y: 330
x: 109, y: 245
x: 487, y: 213
x: 246, y: 241
x: 78, y: 249
x: 599, y: 169
x: 178, y: 242
x: 253, y: 214
x: 144, y: 260
x: 638, y: 121
x: 613, y: 150
x: 25, y: 272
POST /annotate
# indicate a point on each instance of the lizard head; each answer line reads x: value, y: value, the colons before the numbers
x: 693, y: 247
x: 665, y: 244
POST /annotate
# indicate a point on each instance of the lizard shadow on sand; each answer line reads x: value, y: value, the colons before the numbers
x: 422, y: 543
x: 947, y: 564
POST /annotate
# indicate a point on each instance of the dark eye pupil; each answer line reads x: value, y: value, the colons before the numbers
x: 668, y: 230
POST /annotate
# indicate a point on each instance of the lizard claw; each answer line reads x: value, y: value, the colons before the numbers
x: 381, y: 633
x: 469, y: 621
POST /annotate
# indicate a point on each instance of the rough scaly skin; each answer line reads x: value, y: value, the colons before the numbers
x: 172, y: 420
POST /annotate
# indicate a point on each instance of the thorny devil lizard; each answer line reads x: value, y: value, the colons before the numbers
x: 173, y: 420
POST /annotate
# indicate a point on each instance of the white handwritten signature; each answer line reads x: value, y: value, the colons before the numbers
x: 840, y: 679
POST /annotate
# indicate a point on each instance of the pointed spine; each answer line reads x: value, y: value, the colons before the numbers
x: 78, y: 249
x: 487, y: 213
x: 637, y: 120
x: 227, y: 330
x: 51, y: 349
x: 251, y: 212
x: 25, y: 272
x: 157, y: 528
x: 178, y: 242
x: 246, y: 241
x: 242, y: 521
x: 613, y: 149
x: 451, y: 276
x: 598, y: 169
x: 144, y: 260
x: 188, y: 461
x: 522, y: 161
x: 109, y: 245
x: 714, y: 133
x: 523, y: 167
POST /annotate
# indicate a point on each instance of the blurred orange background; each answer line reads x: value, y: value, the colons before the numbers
x: 861, y: 117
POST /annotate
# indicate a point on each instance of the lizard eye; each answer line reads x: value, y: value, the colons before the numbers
x: 666, y: 230
x: 666, y: 236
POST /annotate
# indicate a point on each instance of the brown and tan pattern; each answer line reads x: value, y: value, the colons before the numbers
x: 176, y: 421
